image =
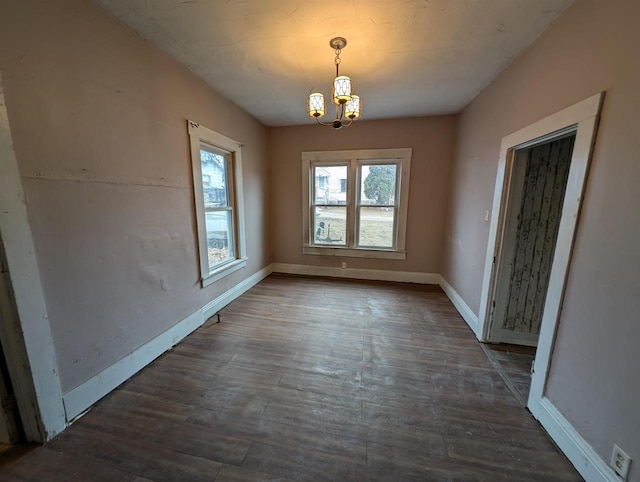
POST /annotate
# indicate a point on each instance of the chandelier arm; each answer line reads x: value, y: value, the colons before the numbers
x: 342, y: 107
x: 324, y: 123
x: 345, y: 124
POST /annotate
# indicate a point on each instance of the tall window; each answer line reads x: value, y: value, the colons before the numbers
x: 356, y: 202
x: 216, y: 162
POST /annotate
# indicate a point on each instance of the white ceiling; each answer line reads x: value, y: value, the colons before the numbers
x: 406, y: 57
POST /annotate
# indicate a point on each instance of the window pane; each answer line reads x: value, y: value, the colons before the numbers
x: 214, y: 179
x: 378, y: 184
x: 330, y: 225
x: 330, y: 186
x: 219, y: 237
x: 376, y: 227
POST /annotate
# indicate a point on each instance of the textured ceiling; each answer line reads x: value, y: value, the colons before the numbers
x: 405, y: 57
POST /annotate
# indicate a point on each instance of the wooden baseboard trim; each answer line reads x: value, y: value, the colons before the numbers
x: 467, y: 313
x: 357, y: 273
x: 586, y: 461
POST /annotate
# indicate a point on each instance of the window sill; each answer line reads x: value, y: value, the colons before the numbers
x: 354, y: 253
x: 224, y: 270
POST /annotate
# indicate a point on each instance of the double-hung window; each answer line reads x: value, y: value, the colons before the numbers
x: 355, y: 202
x: 217, y: 177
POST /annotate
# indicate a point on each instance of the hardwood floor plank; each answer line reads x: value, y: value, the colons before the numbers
x: 282, y: 395
x: 186, y: 439
x: 251, y: 374
x: 145, y: 404
x: 314, y: 441
x: 331, y: 347
x: 134, y: 456
x: 332, y: 419
x: 45, y: 464
x: 514, y: 460
x: 414, y: 460
x: 230, y: 473
x: 303, y: 466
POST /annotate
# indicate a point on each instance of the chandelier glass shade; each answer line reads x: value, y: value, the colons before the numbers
x: 353, y: 107
x: 348, y: 105
x: 342, y: 89
x: 315, y: 104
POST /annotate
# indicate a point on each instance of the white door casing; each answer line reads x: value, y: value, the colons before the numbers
x: 25, y: 331
x: 581, y: 118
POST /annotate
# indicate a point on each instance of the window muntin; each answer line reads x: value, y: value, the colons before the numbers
x: 217, y: 176
x: 374, y: 213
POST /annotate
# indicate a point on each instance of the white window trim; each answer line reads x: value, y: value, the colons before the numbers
x: 403, y: 155
x: 199, y: 134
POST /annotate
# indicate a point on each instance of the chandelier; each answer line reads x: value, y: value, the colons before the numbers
x: 348, y: 105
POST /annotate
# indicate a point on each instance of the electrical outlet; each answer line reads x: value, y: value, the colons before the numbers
x: 620, y: 462
x: 344, y: 265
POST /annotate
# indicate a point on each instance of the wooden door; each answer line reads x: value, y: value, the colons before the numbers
x: 539, y: 182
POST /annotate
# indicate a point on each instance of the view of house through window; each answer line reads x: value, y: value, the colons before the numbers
x: 358, y: 203
x: 218, y: 205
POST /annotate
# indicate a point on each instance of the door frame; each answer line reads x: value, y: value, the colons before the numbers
x: 583, y: 119
x: 25, y: 333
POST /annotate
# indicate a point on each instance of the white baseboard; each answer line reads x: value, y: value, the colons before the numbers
x: 83, y: 396
x: 467, y: 313
x: 356, y: 273
x: 231, y: 294
x: 586, y: 461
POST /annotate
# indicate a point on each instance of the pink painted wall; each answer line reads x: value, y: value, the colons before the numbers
x: 98, y: 118
x: 592, y: 47
x: 432, y: 141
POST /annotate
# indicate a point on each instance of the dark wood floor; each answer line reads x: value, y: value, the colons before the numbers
x: 310, y: 379
x: 513, y: 363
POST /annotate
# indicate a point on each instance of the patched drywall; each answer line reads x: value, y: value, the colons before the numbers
x: 98, y: 117
x: 432, y: 140
x: 591, y: 48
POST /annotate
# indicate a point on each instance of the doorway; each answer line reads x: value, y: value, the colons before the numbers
x: 533, y: 210
x: 537, y: 186
x: 580, y: 122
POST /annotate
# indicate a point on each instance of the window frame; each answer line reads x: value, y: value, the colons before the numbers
x: 232, y: 151
x: 355, y: 159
